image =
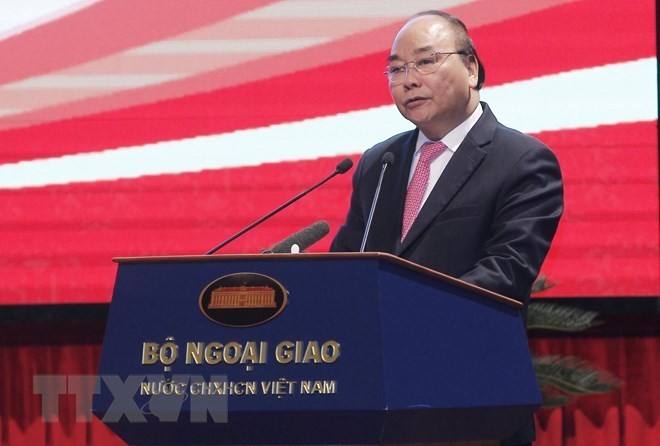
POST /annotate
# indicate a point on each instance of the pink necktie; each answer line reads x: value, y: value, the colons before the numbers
x: 419, y: 183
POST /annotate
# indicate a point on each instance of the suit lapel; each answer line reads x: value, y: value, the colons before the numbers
x: 461, y: 166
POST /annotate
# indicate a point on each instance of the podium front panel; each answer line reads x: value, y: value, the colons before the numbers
x: 363, y: 352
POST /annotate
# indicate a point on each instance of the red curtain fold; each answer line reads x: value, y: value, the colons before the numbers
x: 628, y: 416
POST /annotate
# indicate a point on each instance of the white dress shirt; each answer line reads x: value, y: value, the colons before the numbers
x: 452, y: 140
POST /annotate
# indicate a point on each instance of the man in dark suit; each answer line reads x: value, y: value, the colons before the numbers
x: 465, y: 196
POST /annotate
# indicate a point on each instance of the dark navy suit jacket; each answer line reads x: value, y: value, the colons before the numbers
x: 489, y: 220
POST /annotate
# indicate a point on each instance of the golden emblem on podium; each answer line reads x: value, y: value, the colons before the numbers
x: 243, y: 299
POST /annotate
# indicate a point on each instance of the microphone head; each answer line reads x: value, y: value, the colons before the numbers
x: 344, y: 166
x: 304, y: 238
x: 388, y: 158
x: 319, y: 229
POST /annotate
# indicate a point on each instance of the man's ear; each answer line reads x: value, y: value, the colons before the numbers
x: 472, y: 65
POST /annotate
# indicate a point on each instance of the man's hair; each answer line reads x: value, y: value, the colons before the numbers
x: 463, y: 40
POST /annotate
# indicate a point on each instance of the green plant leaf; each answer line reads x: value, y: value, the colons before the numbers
x: 541, y: 284
x: 573, y: 375
x: 551, y: 316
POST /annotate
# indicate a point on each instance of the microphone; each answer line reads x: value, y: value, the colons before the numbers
x: 341, y: 168
x: 387, y: 159
x: 304, y: 238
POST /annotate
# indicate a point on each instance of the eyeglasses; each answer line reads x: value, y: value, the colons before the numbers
x: 428, y: 63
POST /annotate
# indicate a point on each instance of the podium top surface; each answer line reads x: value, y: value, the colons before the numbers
x: 380, y: 256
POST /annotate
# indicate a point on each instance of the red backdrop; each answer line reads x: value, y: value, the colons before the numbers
x: 128, y: 128
x: 136, y: 127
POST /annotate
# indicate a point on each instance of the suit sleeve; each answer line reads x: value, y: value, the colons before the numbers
x: 527, y: 213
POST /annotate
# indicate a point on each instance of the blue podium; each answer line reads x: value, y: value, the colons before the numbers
x: 334, y: 348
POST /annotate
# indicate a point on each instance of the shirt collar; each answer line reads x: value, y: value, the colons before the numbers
x: 454, y: 138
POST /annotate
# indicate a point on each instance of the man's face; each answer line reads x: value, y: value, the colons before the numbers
x: 440, y: 101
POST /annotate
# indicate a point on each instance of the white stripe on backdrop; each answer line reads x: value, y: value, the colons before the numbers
x: 611, y: 94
